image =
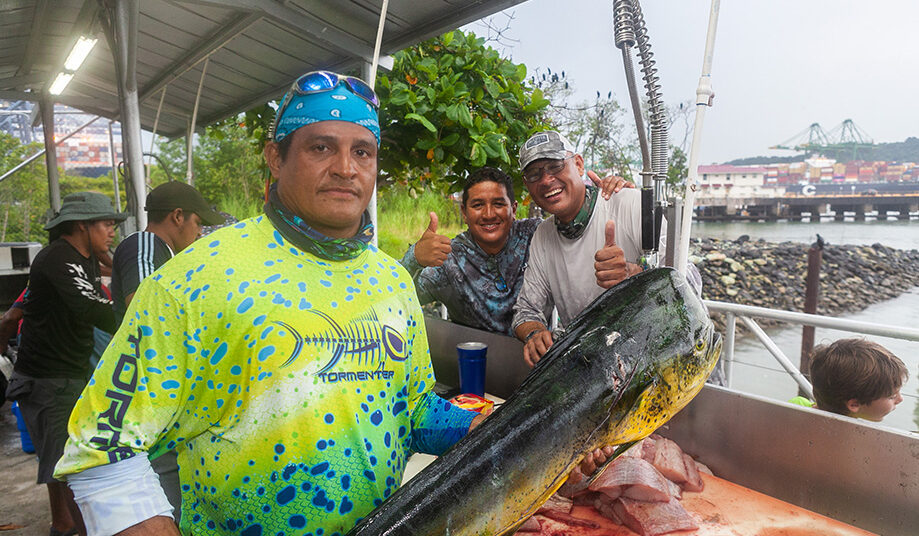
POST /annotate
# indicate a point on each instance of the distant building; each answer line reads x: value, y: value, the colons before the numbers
x: 85, y: 153
x: 726, y: 181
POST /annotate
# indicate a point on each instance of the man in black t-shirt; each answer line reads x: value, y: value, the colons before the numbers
x: 176, y: 212
x: 63, y: 302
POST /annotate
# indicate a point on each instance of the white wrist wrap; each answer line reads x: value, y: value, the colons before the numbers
x: 119, y: 495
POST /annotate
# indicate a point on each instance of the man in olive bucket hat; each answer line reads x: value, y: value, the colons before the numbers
x: 63, y: 302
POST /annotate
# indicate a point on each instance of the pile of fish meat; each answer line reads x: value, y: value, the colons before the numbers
x: 641, y: 489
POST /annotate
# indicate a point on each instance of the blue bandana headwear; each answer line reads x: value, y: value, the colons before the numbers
x: 338, y: 104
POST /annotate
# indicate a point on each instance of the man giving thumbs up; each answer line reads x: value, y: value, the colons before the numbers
x: 590, y: 243
x: 478, y: 274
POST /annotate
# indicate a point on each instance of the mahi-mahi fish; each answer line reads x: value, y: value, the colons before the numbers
x: 632, y: 359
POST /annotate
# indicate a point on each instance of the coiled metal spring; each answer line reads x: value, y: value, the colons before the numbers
x: 623, y: 24
x: 660, y: 146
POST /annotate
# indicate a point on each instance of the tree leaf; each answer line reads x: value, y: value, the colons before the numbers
x: 465, y: 117
x: 427, y: 124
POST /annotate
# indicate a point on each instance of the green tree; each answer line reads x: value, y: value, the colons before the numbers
x: 599, y: 129
x: 677, y: 170
x: 24, y: 206
x: 452, y: 104
x: 228, y: 167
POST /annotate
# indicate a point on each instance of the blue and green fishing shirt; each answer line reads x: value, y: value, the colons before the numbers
x: 292, y: 388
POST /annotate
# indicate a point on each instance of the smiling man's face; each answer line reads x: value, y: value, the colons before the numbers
x: 560, y: 193
x: 489, y: 213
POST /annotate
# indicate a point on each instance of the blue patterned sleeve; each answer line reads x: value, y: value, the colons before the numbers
x: 429, y: 282
x: 437, y: 424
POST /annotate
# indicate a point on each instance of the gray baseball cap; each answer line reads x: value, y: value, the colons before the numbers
x: 545, y: 144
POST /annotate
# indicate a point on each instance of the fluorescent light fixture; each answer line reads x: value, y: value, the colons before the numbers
x: 79, y: 53
x: 60, y: 82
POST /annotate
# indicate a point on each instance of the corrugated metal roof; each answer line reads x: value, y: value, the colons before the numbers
x: 255, y: 48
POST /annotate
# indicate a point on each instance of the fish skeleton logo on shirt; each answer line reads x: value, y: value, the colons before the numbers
x: 363, y: 339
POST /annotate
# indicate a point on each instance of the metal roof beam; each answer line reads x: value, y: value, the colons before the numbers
x: 459, y: 16
x: 313, y: 26
x: 8, y: 5
x: 36, y: 36
x: 23, y: 80
x: 9, y: 94
x: 258, y: 100
x: 212, y: 43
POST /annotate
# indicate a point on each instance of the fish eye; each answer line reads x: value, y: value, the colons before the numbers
x: 700, y: 345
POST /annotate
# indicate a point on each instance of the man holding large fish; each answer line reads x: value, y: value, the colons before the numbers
x: 284, y: 358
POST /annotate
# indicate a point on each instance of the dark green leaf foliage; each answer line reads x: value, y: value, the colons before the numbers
x: 450, y: 105
x: 228, y: 167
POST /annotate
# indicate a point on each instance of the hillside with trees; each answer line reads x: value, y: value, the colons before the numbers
x: 901, y: 151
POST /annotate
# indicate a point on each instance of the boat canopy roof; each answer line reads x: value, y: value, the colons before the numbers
x: 255, y: 48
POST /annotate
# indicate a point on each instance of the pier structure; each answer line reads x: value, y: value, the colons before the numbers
x: 796, y: 207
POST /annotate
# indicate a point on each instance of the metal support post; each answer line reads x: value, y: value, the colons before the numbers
x: 47, y: 123
x: 190, y: 151
x: 727, y: 354
x: 111, y: 152
x: 803, y: 384
x: 674, y: 216
x: 367, y: 74
x: 811, y: 297
x: 125, y: 38
x: 704, y: 95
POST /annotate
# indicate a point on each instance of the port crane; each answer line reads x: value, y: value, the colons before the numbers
x: 844, y: 141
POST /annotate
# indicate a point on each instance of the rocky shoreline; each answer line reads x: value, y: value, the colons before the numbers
x: 756, y: 272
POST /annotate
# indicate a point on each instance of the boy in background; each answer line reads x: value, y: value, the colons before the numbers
x: 855, y: 378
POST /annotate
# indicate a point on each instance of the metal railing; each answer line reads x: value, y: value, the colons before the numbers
x: 746, y: 313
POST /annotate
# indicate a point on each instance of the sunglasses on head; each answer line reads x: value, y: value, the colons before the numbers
x: 322, y: 81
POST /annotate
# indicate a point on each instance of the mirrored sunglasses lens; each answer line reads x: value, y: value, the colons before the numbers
x: 318, y: 81
x: 361, y: 89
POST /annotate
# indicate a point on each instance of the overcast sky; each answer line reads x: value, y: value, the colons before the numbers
x: 779, y: 65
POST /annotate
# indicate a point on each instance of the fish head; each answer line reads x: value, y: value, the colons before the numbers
x: 681, y: 351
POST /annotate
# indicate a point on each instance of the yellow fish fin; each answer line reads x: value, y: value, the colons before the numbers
x: 647, y: 414
x: 542, y: 499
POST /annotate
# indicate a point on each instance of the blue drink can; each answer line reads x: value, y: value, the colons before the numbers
x: 472, y: 367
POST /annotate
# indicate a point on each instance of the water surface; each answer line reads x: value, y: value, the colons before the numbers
x: 756, y: 371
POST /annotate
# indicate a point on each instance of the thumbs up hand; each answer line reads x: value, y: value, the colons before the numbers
x: 432, y: 248
x: 611, y: 266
